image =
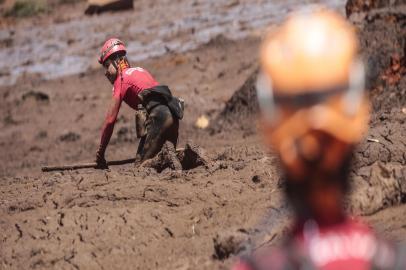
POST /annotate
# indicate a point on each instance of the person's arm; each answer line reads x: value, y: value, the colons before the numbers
x: 107, y: 129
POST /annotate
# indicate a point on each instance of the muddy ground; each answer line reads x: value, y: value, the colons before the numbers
x: 126, y: 217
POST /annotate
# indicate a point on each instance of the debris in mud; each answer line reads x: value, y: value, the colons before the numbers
x: 202, y: 122
x: 35, y: 95
x: 99, y: 6
x: 69, y: 136
x: 385, y: 141
x: 190, y: 157
x: 229, y: 243
x: 256, y: 179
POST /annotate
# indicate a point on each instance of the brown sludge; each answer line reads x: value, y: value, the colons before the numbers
x: 190, y: 217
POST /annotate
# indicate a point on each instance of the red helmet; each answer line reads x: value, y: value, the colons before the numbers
x: 111, y: 46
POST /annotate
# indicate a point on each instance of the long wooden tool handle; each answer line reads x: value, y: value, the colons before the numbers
x: 120, y: 162
x: 85, y: 165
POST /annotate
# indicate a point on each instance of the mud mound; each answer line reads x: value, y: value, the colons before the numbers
x: 241, y: 109
x: 193, y: 156
x: 190, y: 157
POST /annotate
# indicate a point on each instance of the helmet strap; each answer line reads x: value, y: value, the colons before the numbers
x: 122, y: 63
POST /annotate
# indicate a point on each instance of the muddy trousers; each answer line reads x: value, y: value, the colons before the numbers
x: 161, y: 126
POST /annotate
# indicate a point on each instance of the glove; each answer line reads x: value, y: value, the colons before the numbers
x: 100, y: 160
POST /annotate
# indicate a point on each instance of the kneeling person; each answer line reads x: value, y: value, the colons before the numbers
x: 136, y: 87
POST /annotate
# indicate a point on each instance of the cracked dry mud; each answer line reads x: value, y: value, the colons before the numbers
x: 198, y: 218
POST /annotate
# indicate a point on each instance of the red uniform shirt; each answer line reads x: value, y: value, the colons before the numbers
x: 132, y: 81
x: 349, y: 245
x: 126, y: 88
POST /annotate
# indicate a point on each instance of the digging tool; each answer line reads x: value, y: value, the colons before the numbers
x: 92, y: 165
x: 85, y: 165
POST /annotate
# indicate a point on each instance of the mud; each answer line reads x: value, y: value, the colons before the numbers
x: 187, y: 158
x: 383, y: 48
x: 380, y: 160
x: 152, y: 29
x: 199, y: 217
x: 383, y: 187
x: 125, y: 216
x: 230, y: 243
x: 241, y: 110
x: 378, y: 177
x: 357, y: 6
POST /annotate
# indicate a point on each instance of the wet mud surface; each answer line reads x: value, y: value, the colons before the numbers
x: 91, y: 219
x: 151, y: 29
x: 194, y: 218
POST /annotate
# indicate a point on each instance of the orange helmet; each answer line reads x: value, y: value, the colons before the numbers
x: 110, y: 47
x: 311, y: 80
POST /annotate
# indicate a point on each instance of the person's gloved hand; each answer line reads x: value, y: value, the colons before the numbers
x: 100, y: 160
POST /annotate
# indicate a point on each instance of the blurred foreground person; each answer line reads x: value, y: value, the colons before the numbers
x: 314, y: 112
x: 157, y: 111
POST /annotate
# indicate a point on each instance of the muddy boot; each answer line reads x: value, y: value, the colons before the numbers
x: 166, y: 158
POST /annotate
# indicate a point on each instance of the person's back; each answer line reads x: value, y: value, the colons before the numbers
x: 130, y: 83
x: 313, y: 114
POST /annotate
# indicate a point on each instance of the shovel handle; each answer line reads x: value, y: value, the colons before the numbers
x: 85, y: 165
